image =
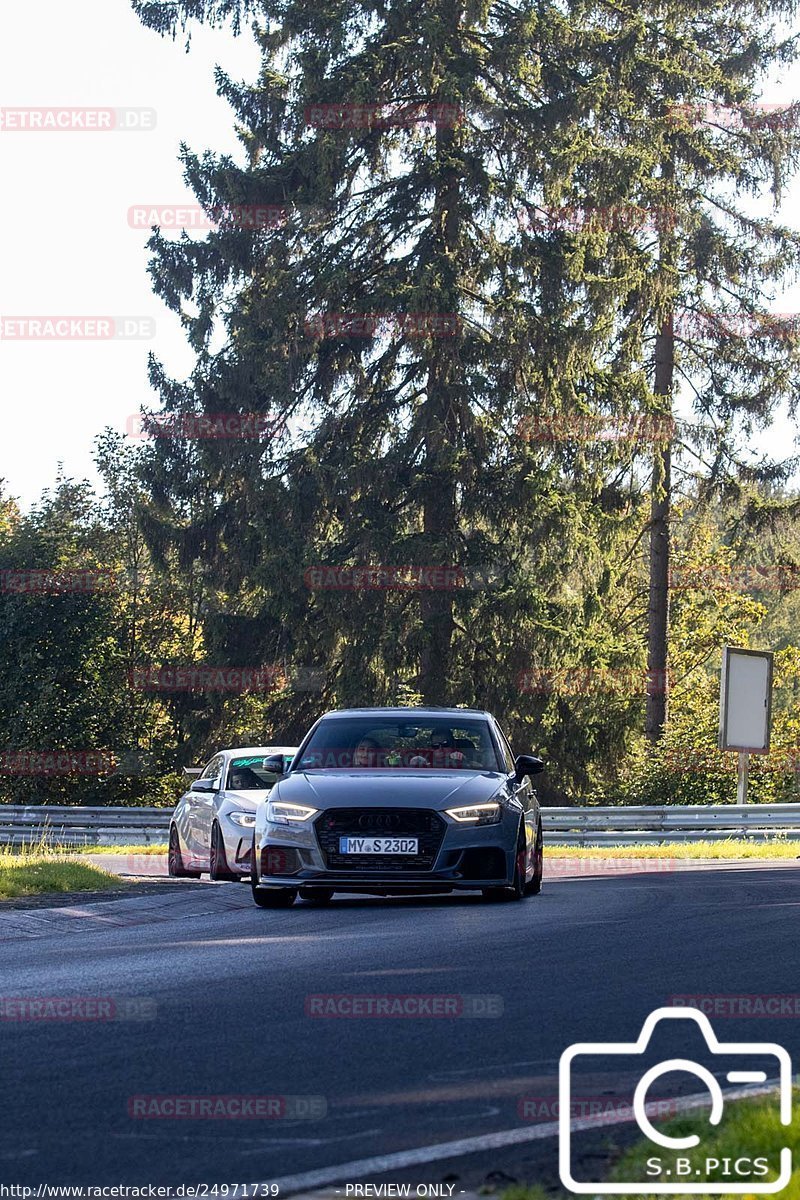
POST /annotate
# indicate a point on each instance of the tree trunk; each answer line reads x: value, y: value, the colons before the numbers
x: 439, y: 522
x: 440, y: 422
x: 660, y: 500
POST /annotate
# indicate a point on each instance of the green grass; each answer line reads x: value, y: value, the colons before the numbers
x: 724, y: 848
x: 150, y: 848
x: 749, y: 1127
x: 727, y: 848
x: 45, y: 845
x: 32, y: 874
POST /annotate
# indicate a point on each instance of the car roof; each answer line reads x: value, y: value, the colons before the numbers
x: 265, y: 750
x: 427, y: 711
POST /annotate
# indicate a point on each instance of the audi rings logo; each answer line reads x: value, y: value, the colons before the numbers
x: 380, y: 821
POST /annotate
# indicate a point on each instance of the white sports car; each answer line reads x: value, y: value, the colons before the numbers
x: 212, y: 826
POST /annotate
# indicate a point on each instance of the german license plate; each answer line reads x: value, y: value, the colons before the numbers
x: 378, y: 845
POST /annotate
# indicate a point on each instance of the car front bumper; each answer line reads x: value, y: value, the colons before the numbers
x: 238, y: 842
x: 466, y: 858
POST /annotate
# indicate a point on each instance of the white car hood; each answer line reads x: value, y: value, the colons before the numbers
x: 248, y: 800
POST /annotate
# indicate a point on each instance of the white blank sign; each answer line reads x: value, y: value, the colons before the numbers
x: 745, y: 700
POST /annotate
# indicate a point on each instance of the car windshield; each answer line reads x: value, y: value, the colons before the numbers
x: 372, y: 741
x: 248, y: 775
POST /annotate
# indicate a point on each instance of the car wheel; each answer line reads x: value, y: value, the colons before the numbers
x: 218, y: 860
x: 317, y: 895
x: 535, y: 885
x: 175, y: 858
x: 517, y: 889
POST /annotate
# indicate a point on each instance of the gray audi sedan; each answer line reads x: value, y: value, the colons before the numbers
x: 399, y: 801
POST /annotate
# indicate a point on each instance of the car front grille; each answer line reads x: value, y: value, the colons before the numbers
x: 420, y: 823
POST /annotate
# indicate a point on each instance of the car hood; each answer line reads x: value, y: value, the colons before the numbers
x: 248, y: 800
x: 413, y: 788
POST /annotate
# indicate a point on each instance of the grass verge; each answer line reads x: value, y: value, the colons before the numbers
x: 151, y: 849
x: 750, y: 1128
x: 724, y: 848
x: 727, y: 848
x: 34, y: 874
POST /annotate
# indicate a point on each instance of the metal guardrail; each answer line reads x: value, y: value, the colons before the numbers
x: 610, y: 825
x: 623, y: 825
x: 68, y: 826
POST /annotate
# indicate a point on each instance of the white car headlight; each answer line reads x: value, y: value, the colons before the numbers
x: 476, y: 814
x: 281, y: 812
x: 247, y: 819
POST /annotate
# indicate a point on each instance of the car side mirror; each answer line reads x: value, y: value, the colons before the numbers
x: 274, y: 765
x: 527, y: 764
x: 203, y: 785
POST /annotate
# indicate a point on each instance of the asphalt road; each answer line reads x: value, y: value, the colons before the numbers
x: 224, y: 990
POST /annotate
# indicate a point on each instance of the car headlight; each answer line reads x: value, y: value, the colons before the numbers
x: 281, y: 812
x: 476, y: 814
x: 247, y: 819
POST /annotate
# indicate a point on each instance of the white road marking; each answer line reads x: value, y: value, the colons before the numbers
x: 381, y: 1164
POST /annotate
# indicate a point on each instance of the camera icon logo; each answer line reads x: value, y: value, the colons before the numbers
x: 683, y: 1166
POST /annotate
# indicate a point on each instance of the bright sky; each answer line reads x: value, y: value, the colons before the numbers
x: 67, y: 248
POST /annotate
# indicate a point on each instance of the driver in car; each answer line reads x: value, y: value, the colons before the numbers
x: 445, y: 751
x: 367, y: 753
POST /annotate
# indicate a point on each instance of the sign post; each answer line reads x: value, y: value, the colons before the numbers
x: 745, y: 707
x: 741, y: 783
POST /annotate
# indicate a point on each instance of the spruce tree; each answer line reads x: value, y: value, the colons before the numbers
x: 691, y: 147
x: 403, y: 144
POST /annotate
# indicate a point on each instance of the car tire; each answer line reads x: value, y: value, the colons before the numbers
x: 175, y: 865
x: 535, y: 885
x: 316, y: 895
x: 218, y: 862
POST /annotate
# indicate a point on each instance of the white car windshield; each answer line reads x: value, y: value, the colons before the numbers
x: 247, y: 775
